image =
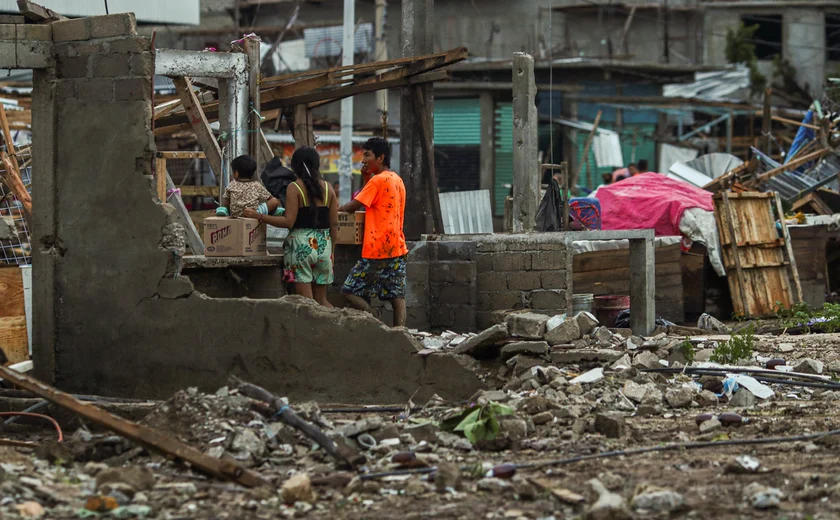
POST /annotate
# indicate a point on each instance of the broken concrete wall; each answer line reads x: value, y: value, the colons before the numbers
x: 112, y: 314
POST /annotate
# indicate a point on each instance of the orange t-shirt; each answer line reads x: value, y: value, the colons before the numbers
x: 384, y: 200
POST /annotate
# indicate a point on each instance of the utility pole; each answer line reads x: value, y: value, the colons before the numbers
x: 381, y: 54
x: 667, y: 22
x: 345, y: 163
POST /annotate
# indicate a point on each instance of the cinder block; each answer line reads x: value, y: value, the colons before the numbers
x: 554, y: 279
x: 465, y: 318
x: 65, y: 89
x: 418, y: 251
x: 445, y: 251
x: 99, y: 89
x: 143, y: 64
x: 523, y: 281
x: 552, y: 246
x: 35, y: 32
x: 548, y: 299
x: 452, y: 272
x: 491, y: 281
x: 484, y: 262
x: 72, y: 67
x: 131, y: 45
x: 491, y: 247
x: 32, y: 54
x: 512, y: 261
x: 111, y: 66
x: 416, y: 294
x: 548, y: 260
x: 133, y: 89
x: 417, y: 271
x: 71, y: 30
x: 441, y: 316
x: 452, y: 294
x: 9, y: 32
x: 494, y: 301
x: 111, y: 25
x: 85, y: 48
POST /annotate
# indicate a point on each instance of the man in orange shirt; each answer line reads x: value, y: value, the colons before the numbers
x: 381, y: 271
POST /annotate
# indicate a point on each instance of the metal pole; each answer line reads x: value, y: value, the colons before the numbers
x: 381, y: 52
x: 345, y: 165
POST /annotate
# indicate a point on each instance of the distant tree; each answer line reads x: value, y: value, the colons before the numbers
x: 740, y: 50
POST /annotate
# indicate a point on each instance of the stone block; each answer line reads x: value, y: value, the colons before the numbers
x: 34, y: 32
x: 142, y: 65
x: 480, y: 344
x: 452, y: 272
x: 527, y: 325
x: 532, y: 348
x: 564, y: 356
x: 30, y: 54
x: 9, y: 32
x: 552, y: 246
x: 98, y: 89
x: 111, y: 66
x: 110, y: 25
x: 548, y: 260
x: 491, y: 281
x: 587, y: 322
x: 484, y: 262
x: 496, y: 301
x: 554, y: 279
x: 452, y: 294
x: 548, y: 299
x: 609, y: 425
x: 131, y: 45
x: 523, y: 281
x: 83, y: 48
x: 72, y: 67
x: 565, y: 333
x: 133, y: 89
x: 512, y: 262
x: 491, y: 247
x: 448, y: 251
x: 71, y: 30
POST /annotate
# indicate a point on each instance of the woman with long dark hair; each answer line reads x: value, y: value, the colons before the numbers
x: 312, y: 216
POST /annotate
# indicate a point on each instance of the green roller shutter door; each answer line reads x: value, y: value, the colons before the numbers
x: 457, y: 121
x: 504, y: 156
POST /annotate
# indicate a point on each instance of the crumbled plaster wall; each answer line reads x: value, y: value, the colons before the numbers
x: 112, y: 314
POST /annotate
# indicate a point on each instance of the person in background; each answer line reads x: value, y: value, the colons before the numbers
x: 382, y: 268
x: 643, y: 167
x: 336, y: 186
x: 624, y: 173
x: 312, y: 216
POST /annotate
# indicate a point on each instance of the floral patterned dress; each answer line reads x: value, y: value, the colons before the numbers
x: 307, y: 251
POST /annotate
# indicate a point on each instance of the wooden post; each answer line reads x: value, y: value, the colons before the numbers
x: 160, y: 173
x: 586, y: 147
x: 302, y: 126
x: 252, y: 50
x: 432, y: 195
x: 417, y: 40
x: 642, y: 286
x: 789, y: 248
x: 767, y: 122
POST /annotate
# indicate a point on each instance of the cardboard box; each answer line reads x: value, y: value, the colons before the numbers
x: 351, y: 228
x: 226, y: 236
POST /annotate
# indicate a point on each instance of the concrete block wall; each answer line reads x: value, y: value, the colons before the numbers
x: 453, y: 292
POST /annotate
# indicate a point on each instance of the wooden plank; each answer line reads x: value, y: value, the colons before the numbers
x: 619, y: 258
x: 589, y: 278
x: 182, y: 215
x: 789, y: 249
x: 794, y: 123
x: 160, y: 174
x: 11, y: 176
x: 733, y: 238
x: 302, y: 129
x: 199, y: 191
x: 432, y: 191
x: 7, y: 135
x: 37, y: 13
x: 665, y: 286
x: 11, y: 292
x: 252, y: 50
x: 143, y: 435
x: 200, y: 125
x: 182, y: 155
x: 14, y: 339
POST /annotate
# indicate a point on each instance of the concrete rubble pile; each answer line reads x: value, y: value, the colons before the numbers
x: 558, y: 388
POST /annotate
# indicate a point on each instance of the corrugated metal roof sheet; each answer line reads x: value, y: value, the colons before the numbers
x: 323, y: 42
x: 182, y: 12
x: 727, y: 85
x: 466, y: 212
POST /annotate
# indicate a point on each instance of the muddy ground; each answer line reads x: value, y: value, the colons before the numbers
x: 793, y: 480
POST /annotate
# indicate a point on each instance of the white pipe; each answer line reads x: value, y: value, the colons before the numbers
x: 345, y: 164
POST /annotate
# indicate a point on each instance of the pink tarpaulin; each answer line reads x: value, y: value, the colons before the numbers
x: 650, y: 200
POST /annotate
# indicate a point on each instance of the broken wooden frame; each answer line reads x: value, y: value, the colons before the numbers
x: 152, y: 439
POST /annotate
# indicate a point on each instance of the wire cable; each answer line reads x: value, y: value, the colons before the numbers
x: 37, y: 416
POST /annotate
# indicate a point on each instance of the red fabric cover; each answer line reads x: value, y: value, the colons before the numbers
x: 650, y: 200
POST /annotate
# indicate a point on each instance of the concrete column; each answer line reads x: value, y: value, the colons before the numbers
x: 642, y: 288
x: 418, y: 40
x: 45, y: 246
x: 804, y: 47
x: 488, y: 146
x: 526, y: 183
